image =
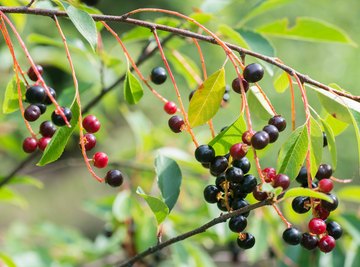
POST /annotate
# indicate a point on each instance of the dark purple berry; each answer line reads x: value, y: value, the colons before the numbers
x: 35, y: 94
x: 218, y: 165
x: 158, y: 75
x: 281, y: 180
x: 272, y: 131
x: 301, y: 204
x: 90, y: 141
x: 204, y: 153
x: 176, y: 124
x: 324, y: 171
x: 309, y: 241
x: 221, y: 204
x: 58, y: 120
x: 31, y: 73
x: 292, y: 236
x: 248, y: 184
x: 243, y: 163
x: 42, y: 107
x: 260, y: 195
x: 43, y: 142
x: 279, y: 122
x: 191, y: 94
x: 47, y: 100
x: 220, y: 182
x: 211, y: 193
x: 114, y: 178
x: 29, y: 144
x: 32, y: 113
x: 234, y: 174
x: 246, y: 240
x: 260, y: 140
x: 328, y: 205
x: 334, y: 229
x: 239, y: 203
x: 237, y: 87
x: 326, y: 244
x: 238, y: 223
x: 253, y: 72
x: 47, y: 129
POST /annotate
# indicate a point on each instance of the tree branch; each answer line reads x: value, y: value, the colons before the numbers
x: 124, y: 18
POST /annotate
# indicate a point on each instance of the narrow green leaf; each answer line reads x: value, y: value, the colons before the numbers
x: 355, y: 117
x: 330, y: 137
x: 233, y: 35
x: 12, y: 197
x: 11, y: 100
x: 293, y: 153
x: 281, y: 82
x: 349, y: 193
x: 26, y: 180
x: 336, y: 126
x: 231, y: 135
x: 169, y: 179
x: 306, y: 192
x: 58, y: 142
x: 122, y: 206
x: 133, y: 90
x: 7, y: 260
x: 307, y: 29
x: 136, y: 34
x: 207, y: 99
x: 316, y: 147
x: 258, y: 104
x: 157, y: 206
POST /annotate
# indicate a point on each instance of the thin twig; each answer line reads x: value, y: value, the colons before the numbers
x: 30, y: 4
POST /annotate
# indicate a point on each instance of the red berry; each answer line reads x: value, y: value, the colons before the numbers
x: 327, y: 244
x: 321, y: 212
x: 260, y: 195
x: 91, y: 124
x: 43, y: 142
x: 100, y: 160
x: 238, y: 151
x: 31, y: 73
x: 317, y: 226
x: 269, y: 174
x: 90, y: 141
x: 176, y: 124
x: 246, y: 137
x: 326, y: 185
x: 29, y: 144
x: 281, y: 180
x: 170, y: 107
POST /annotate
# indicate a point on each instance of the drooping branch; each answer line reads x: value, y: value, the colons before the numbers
x: 182, y: 32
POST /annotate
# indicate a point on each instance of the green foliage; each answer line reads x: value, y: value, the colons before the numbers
x: 316, y: 146
x: 306, y: 192
x: 281, y: 82
x: 11, y: 100
x: 133, y: 90
x: 330, y: 137
x: 258, y: 104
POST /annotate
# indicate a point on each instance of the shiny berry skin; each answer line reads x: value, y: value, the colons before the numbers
x: 246, y: 138
x: 328, y: 205
x: 325, y: 185
x: 58, y: 120
x: 90, y: 141
x: 317, y: 226
x: 222, y: 205
x: 325, y: 142
x: 114, y: 178
x: 279, y: 122
x: 253, y: 72
x: 324, y: 171
x: 237, y: 224
x: 269, y: 174
x: 42, y: 107
x: 292, y: 236
x: 211, y: 193
x: 100, y: 160
x: 91, y: 124
x: 334, y: 229
x: 29, y: 145
x: 243, y: 163
x: 240, y: 203
x: 204, y: 153
x: 301, y: 178
x: 32, y: 113
x: 326, y: 243
x: 43, y: 142
x: 31, y: 73
x: 158, y: 75
x: 246, y: 240
x: 300, y: 204
x: 47, y: 129
x: 248, y: 184
x: 321, y: 212
x: 272, y: 131
x: 309, y: 241
x: 281, y: 180
x: 238, y: 151
x: 218, y: 165
x: 176, y: 123
x: 35, y: 94
x: 220, y: 182
x: 170, y: 107
x: 260, y: 140
x: 47, y: 100
x: 234, y: 174
x: 260, y: 195
x: 237, y: 87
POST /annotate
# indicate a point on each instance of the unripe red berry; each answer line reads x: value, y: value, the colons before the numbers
x: 90, y: 141
x: 326, y: 185
x: 326, y: 243
x: 29, y: 144
x: 43, y: 142
x: 238, y: 151
x: 269, y: 174
x: 246, y: 137
x: 91, y: 124
x: 281, y: 180
x: 170, y: 107
x: 100, y: 160
x: 317, y: 226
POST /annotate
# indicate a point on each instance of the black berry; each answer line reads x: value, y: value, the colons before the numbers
x: 218, y: 165
x: 32, y: 113
x: 204, y: 154
x: 260, y: 195
x: 47, y: 100
x: 211, y: 193
x: 249, y: 183
x: 279, y: 122
x: 300, y: 204
x: 238, y: 223
x: 272, y: 131
x: 309, y: 241
x: 221, y: 204
x: 234, y: 174
x: 114, y: 178
x: 237, y: 87
x: 191, y: 94
x: 31, y: 73
x: 253, y: 72
x: 334, y: 229
x: 292, y: 236
x: 324, y: 171
x: 42, y: 107
x: 301, y: 178
x: 47, y: 129
x: 246, y: 240
x: 328, y: 205
x: 58, y: 120
x: 325, y: 142
x: 158, y: 75
x: 220, y: 182
x: 35, y: 94
x: 243, y: 163
x: 239, y: 203
x: 176, y: 123
x: 260, y: 140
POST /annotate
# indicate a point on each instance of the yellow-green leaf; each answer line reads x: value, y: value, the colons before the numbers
x: 281, y: 82
x: 306, y: 192
x: 316, y: 147
x: 133, y: 90
x: 330, y: 137
x: 11, y: 99
x: 258, y: 104
x: 234, y: 35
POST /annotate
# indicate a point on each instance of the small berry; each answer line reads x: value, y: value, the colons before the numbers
x: 221, y: 204
x: 260, y: 140
x: 237, y: 87
x: 253, y: 72
x: 114, y: 178
x: 321, y: 212
x: 301, y: 178
x: 328, y: 205
x: 281, y: 180
x: 260, y: 195
x: 221, y: 182
x: 91, y: 124
x: 58, y: 120
x: 32, y: 113
x: 279, y: 122
x: 158, y: 75
x: 272, y: 131
x: 300, y: 204
x: 204, y: 153
x: 218, y: 165
x: 47, y: 129
x: 246, y: 137
x: 326, y: 185
x: 292, y: 236
x: 324, y: 171
x: 191, y: 94
x: 206, y: 165
x: 246, y: 240
x: 334, y: 229
x: 29, y: 144
x: 248, y: 184
x: 47, y: 100
x: 100, y: 160
x: 31, y: 73
x: 211, y: 193
x: 176, y: 123
x: 238, y: 151
x: 327, y: 243
x: 226, y: 97
x: 170, y: 107
x: 325, y: 142
x: 243, y: 163
x: 43, y: 142
x: 42, y: 107
x: 238, y: 223
x: 35, y: 94
x: 240, y: 203
x: 317, y: 226
x: 234, y: 174
x: 90, y: 141
x: 269, y: 174
x: 309, y: 241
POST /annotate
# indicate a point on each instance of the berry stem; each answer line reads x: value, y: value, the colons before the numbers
x: 278, y: 211
x: 337, y: 180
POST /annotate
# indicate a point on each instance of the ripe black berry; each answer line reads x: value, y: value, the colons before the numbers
x: 234, y: 174
x: 309, y: 241
x: 260, y: 140
x: 292, y: 236
x: 238, y: 223
x: 243, y: 163
x: 330, y: 206
x: 301, y: 178
x: 47, y: 100
x: 300, y: 204
x: 218, y: 165
x: 35, y: 94
x: 237, y: 191
x: 272, y: 131
x: 253, y: 72
x: 211, y: 193
x: 47, y: 129
x: 158, y: 75
x: 236, y: 85
x: 246, y: 240
x: 204, y: 154
x: 248, y: 184
x: 58, y: 120
x: 279, y: 122
x: 176, y: 123
x: 239, y: 203
x: 334, y: 229
x: 221, y: 204
x: 324, y: 171
x: 31, y: 73
x: 220, y: 182
x: 32, y: 113
x: 114, y: 178
x: 29, y: 145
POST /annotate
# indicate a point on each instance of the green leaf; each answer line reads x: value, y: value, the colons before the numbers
x: 336, y: 126
x: 58, y: 142
x: 293, y: 153
x: 158, y: 207
x: 306, y: 192
x: 207, y: 99
x: 136, y: 34
x: 349, y: 193
x: 232, y: 34
x: 169, y: 179
x: 10, y: 196
x: 281, y: 82
x: 122, y: 206
x: 355, y: 117
x: 213, y: 6
x: 307, y: 29
x: 26, y: 180
x: 83, y: 22
x: 6, y: 260
x: 202, y: 17
x: 231, y: 135
x: 258, y: 104
x: 316, y: 146
x: 11, y: 99
x: 133, y: 90
x: 330, y: 137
